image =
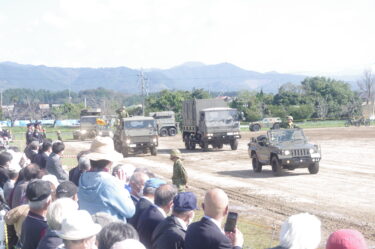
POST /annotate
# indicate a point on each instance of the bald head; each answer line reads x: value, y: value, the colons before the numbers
x: 215, y: 203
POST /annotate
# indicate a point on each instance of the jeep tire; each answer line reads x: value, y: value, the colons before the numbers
x: 172, y: 131
x: 314, y: 168
x: 153, y: 151
x: 163, y: 132
x: 276, y: 166
x: 255, y: 127
x: 234, y: 144
x: 125, y: 151
x: 257, y: 166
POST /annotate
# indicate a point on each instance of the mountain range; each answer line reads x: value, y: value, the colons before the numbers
x: 221, y: 77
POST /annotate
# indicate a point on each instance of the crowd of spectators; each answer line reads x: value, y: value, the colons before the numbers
x: 104, y: 205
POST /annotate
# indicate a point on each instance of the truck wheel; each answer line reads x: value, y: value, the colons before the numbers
x: 234, y: 144
x: 192, y: 145
x: 125, y: 152
x: 220, y: 146
x: 256, y: 127
x: 204, y: 146
x: 276, y: 166
x: 314, y: 168
x: 163, y: 132
x: 117, y: 146
x: 172, y: 131
x: 154, y: 151
x: 257, y: 166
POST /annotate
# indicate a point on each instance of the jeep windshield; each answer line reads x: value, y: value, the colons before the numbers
x: 88, y: 120
x: 221, y: 117
x: 139, y: 124
x: 286, y: 135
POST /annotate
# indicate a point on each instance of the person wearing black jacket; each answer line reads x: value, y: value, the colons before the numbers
x: 43, y: 154
x: 170, y: 233
x: 29, y: 133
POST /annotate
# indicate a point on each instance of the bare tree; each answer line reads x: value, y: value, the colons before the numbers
x: 367, y: 86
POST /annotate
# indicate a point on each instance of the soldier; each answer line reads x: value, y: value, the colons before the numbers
x: 122, y: 113
x: 289, y: 124
x: 29, y: 133
x: 39, y: 132
x: 180, y: 176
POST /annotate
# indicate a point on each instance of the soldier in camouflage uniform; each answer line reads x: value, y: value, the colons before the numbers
x: 289, y: 124
x: 180, y: 176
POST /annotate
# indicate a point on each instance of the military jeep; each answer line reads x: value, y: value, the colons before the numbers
x: 284, y: 149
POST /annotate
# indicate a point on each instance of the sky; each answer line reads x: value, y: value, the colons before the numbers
x: 325, y: 37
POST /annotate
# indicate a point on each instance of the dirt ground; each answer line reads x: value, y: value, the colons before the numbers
x: 342, y: 194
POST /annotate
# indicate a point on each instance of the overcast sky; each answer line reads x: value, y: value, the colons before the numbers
x: 296, y: 36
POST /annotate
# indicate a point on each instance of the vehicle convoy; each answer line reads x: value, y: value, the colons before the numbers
x: 89, y: 127
x: 136, y: 134
x: 209, y: 122
x: 273, y: 123
x: 284, y: 149
x: 166, y: 123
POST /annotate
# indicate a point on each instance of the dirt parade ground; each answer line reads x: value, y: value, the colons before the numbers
x: 342, y: 194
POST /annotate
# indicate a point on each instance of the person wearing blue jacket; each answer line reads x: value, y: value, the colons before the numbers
x: 98, y: 190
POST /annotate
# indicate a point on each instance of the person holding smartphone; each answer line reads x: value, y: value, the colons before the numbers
x: 207, y: 233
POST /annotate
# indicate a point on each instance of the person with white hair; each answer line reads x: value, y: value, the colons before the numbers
x: 56, y: 213
x: 300, y: 231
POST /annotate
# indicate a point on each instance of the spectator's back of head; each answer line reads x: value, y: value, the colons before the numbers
x: 215, y: 203
x: 128, y: 244
x: 346, y: 239
x: 66, y: 189
x: 58, y: 147
x: 115, y: 232
x: 164, y: 195
x: 31, y: 171
x: 46, y: 146
x: 5, y: 158
x: 151, y: 185
x: 58, y: 211
x: 34, y: 145
x: 38, y: 192
x: 301, y: 231
x: 84, y: 164
x: 103, y: 219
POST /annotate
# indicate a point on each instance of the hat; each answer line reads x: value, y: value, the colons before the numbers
x: 30, y: 124
x: 38, y: 190
x: 52, y: 179
x: 37, y: 123
x: 129, y: 244
x: 289, y: 117
x: 176, y: 153
x: 102, y: 148
x: 154, y: 183
x: 66, y: 189
x: 184, y: 201
x: 346, y: 239
x: 78, y: 225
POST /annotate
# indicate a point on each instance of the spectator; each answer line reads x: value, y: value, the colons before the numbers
x: 346, y: 239
x: 300, y: 231
x: 137, y: 183
x: 155, y: 214
x: 53, y: 182
x: 103, y: 219
x: 67, y: 189
x: 128, y: 244
x: 78, y: 231
x: 53, y: 164
x: 32, y: 150
x: 34, y: 227
x: 115, y: 232
x: 98, y: 190
x: 146, y: 171
x: 9, y: 185
x: 5, y: 159
x: 29, y: 133
x: 83, y: 166
x: 57, y: 211
x: 43, y: 154
x: 207, y: 232
x: 170, y: 233
x: 147, y: 199
x: 16, y: 217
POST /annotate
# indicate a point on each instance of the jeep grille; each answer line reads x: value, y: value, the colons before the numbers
x: 300, y: 152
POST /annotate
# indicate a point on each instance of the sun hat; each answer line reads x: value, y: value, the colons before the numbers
x: 38, y: 190
x: 346, y: 239
x: 78, y: 225
x: 128, y: 244
x: 176, y: 153
x: 102, y: 148
x: 184, y: 201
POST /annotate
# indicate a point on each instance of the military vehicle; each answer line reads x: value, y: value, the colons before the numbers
x: 89, y: 127
x: 136, y: 134
x: 266, y: 123
x: 166, y: 123
x: 209, y: 122
x: 284, y: 149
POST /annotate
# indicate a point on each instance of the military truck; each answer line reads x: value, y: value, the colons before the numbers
x: 209, y: 122
x: 88, y: 124
x: 284, y: 149
x: 166, y: 123
x: 136, y: 134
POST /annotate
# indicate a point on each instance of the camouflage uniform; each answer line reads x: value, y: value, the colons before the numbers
x: 180, y: 176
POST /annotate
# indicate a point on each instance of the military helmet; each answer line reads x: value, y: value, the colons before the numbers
x: 290, y: 117
x: 176, y: 153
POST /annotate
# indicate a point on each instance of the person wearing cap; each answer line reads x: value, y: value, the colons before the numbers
x: 170, y: 233
x: 78, y: 231
x: 147, y: 198
x: 346, y: 239
x: 29, y: 133
x: 34, y: 227
x: 39, y: 133
x: 289, y: 123
x: 179, y: 177
x: 53, y: 164
x: 98, y: 190
x: 67, y: 189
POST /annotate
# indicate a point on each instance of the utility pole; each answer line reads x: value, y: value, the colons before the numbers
x: 143, y: 84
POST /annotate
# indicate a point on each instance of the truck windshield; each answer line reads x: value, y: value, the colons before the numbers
x: 139, y: 124
x: 88, y: 120
x: 287, y: 135
x: 219, y: 117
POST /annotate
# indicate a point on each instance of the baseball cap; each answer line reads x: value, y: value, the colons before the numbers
x: 184, y: 201
x: 66, y: 189
x: 38, y: 190
x: 154, y: 183
x: 346, y: 239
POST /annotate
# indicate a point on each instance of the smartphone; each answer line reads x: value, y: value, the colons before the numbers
x: 230, y: 224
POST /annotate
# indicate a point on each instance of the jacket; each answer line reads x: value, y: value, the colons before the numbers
x: 102, y: 192
x: 41, y: 159
x: 50, y: 241
x: 54, y: 167
x: 169, y: 234
x: 204, y: 234
x: 33, y: 229
x: 16, y: 217
x: 147, y: 223
x: 141, y: 206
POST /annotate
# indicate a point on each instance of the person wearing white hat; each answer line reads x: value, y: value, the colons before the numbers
x: 98, y: 190
x: 79, y: 231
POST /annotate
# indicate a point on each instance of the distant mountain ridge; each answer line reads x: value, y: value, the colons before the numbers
x: 218, y: 77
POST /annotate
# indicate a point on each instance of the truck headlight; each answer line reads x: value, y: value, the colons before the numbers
x: 128, y: 141
x: 286, y: 152
x: 311, y: 151
x: 209, y: 135
x: 100, y: 133
x: 230, y: 133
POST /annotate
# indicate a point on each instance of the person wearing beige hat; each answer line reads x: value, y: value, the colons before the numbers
x: 98, y: 190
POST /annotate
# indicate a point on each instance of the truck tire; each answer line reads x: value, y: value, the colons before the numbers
x: 204, y: 146
x: 276, y: 126
x: 255, y: 127
x: 125, y: 152
x: 153, y: 151
x: 172, y: 131
x: 314, y: 168
x: 276, y: 166
x: 257, y: 166
x: 234, y: 144
x: 163, y: 132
